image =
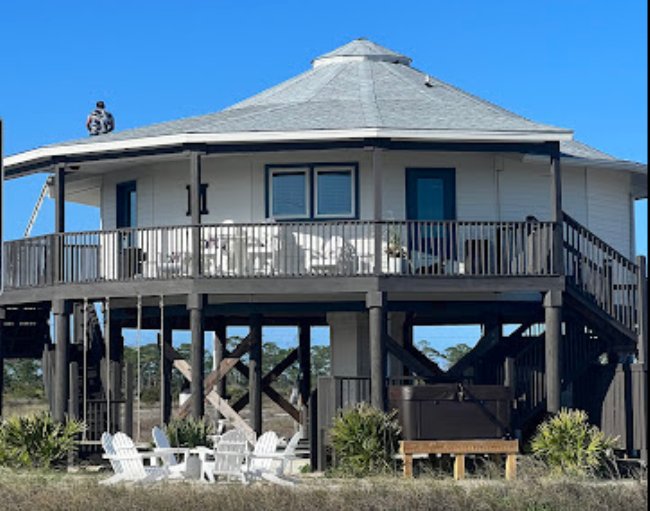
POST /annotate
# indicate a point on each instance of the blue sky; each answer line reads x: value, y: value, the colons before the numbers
x: 580, y: 64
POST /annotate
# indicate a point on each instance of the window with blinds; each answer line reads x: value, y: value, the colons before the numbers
x: 312, y: 191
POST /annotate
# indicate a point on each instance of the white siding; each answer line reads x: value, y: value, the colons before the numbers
x: 524, y: 189
x: 608, y: 204
x: 574, y: 193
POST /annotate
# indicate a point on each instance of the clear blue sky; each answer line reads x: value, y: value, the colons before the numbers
x: 580, y: 64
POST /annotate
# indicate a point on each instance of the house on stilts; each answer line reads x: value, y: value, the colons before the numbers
x: 363, y: 195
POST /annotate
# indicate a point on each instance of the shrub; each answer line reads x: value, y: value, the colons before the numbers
x: 37, y: 441
x: 365, y: 440
x: 189, y: 432
x: 569, y: 445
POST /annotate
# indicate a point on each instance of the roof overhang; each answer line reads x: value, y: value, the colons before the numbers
x: 37, y: 160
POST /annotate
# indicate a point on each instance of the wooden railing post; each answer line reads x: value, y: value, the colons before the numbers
x: 642, y: 311
x: 556, y: 210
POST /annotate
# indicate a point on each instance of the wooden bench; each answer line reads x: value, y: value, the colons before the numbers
x: 460, y: 448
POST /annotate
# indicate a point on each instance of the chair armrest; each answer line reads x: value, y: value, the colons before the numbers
x: 172, y: 450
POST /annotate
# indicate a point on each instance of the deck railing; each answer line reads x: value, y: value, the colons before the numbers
x: 601, y: 273
x: 286, y: 249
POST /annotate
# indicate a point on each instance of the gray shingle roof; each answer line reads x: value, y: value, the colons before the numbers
x: 359, y: 85
x: 578, y: 149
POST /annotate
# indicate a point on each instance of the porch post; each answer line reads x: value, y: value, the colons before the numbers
x: 255, y: 373
x: 304, y: 360
x: 59, y: 222
x: 195, y: 306
x: 557, y: 214
x: 195, y: 211
x: 166, y: 373
x: 61, y: 367
x: 642, y: 312
x: 375, y: 302
x: 377, y: 205
x: 552, y: 340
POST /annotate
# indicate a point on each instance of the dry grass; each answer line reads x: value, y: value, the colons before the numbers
x: 51, y: 491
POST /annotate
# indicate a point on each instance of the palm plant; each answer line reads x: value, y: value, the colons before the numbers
x: 570, y: 445
x: 37, y: 441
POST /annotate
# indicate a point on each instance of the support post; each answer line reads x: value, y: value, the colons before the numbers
x: 127, y: 427
x: 304, y: 361
x: 509, y: 377
x: 217, y: 357
x: 195, y: 211
x: 166, y: 374
x: 375, y: 302
x: 557, y: 215
x: 552, y: 340
x: 195, y: 306
x: 641, y: 409
x: 73, y: 391
x: 255, y: 373
x: 61, y: 367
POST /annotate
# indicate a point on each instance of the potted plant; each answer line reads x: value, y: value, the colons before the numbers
x: 395, y: 251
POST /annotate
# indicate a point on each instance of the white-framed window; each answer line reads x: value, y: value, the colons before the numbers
x: 312, y: 191
x: 289, y: 195
x: 334, y: 192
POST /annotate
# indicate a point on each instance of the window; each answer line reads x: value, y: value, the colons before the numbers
x: 203, y: 198
x: 334, y: 193
x: 288, y: 193
x: 318, y: 191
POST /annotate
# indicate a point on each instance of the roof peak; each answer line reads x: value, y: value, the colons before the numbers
x: 361, y: 49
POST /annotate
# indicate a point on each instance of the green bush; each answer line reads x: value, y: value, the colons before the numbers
x: 189, y: 432
x: 37, y: 441
x: 569, y: 445
x: 365, y: 441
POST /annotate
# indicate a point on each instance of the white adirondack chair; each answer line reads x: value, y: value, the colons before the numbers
x: 130, y: 462
x: 259, y: 461
x: 275, y: 464
x: 168, y: 454
x: 116, y: 464
x: 230, y: 455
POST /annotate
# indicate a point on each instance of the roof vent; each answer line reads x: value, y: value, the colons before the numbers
x: 428, y: 81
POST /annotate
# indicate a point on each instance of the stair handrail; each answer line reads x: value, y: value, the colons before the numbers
x: 601, y: 273
x: 598, y: 241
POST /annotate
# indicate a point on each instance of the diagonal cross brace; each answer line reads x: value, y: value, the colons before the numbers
x: 219, y: 403
x: 410, y: 360
x: 227, y: 364
x: 268, y: 379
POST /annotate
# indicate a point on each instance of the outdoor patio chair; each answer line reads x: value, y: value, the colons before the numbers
x: 230, y: 455
x: 168, y: 454
x: 272, y: 466
x: 116, y: 464
x: 259, y: 461
x: 130, y: 463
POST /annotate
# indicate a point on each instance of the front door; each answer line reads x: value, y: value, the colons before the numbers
x: 430, y: 200
x: 126, y: 217
x: 126, y: 207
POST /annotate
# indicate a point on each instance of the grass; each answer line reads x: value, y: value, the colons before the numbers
x: 58, y: 491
